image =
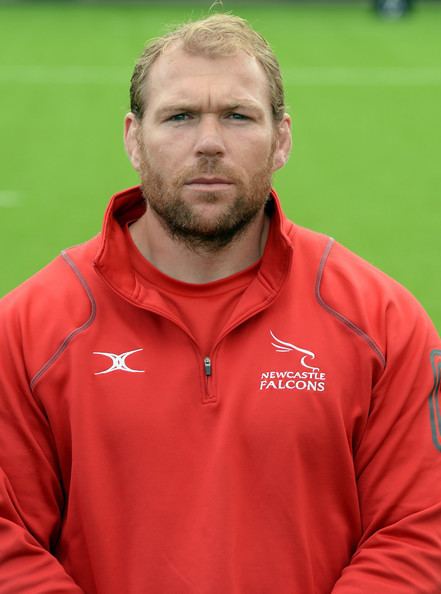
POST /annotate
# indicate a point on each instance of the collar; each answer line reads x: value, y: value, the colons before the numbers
x: 112, y: 260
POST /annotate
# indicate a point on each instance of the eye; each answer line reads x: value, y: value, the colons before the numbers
x: 238, y: 116
x: 179, y: 117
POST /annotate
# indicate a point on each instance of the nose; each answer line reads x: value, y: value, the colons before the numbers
x: 209, y: 141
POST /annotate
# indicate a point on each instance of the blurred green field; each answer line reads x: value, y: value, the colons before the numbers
x: 364, y: 93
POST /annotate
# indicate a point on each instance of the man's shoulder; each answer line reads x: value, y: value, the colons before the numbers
x: 342, y: 268
x: 54, y: 282
x: 56, y: 301
x: 357, y: 294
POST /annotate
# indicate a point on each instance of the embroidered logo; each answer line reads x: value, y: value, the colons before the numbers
x: 286, y: 347
x: 118, y: 362
x: 304, y: 377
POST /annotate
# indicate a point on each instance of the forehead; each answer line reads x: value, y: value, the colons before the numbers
x: 179, y: 75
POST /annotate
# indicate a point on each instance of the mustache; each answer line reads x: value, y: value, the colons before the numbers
x: 208, y: 166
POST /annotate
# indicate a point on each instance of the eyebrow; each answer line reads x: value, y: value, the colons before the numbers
x: 194, y: 108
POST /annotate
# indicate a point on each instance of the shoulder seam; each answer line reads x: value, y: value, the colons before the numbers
x: 64, y: 344
x: 340, y: 317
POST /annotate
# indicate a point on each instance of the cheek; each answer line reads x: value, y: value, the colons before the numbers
x: 260, y: 146
x: 167, y: 154
x: 259, y: 157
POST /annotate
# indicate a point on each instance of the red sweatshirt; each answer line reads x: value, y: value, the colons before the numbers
x: 302, y: 455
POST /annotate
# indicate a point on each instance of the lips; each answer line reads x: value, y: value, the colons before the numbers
x: 209, y: 184
x: 209, y: 181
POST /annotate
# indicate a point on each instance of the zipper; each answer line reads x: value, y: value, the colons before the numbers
x: 207, y: 366
x: 208, y: 372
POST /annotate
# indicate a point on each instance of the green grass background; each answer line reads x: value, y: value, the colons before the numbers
x: 364, y: 93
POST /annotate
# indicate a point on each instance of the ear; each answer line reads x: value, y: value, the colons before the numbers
x: 131, y: 133
x: 283, y: 143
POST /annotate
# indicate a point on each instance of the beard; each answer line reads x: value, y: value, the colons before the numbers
x: 181, y: 219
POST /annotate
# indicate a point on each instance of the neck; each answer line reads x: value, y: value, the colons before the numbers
x: 181, y: 262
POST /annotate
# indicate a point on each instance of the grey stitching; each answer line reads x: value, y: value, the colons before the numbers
x: 338, y: 315
x: 72, y: 334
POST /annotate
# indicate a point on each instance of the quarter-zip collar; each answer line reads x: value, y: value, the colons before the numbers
x: 112, y: 261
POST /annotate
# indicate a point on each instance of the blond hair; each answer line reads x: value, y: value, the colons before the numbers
x: 218, y: 35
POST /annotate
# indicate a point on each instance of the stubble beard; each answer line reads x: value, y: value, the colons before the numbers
x: 182, y: 221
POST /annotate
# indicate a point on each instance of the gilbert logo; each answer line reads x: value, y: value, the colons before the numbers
x: 118, y: 362
x: 303, y: 375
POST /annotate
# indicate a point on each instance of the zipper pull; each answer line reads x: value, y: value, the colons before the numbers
x: 207, y: 366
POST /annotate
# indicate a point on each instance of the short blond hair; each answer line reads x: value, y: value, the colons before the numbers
x: 218, y: 35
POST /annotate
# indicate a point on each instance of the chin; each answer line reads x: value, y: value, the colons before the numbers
x: 210, y: 212
x: 229, y: 193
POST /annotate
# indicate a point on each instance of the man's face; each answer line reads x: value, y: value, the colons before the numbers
x: 207, y: 145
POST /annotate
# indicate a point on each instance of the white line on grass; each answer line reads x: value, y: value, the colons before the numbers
x: 368, y: 76
x: 302, y: 76
x: 64, y: 75
x: 9, y: 199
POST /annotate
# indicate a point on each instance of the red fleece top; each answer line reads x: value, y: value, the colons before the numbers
x: 308, y: 461
x: 203, y: 308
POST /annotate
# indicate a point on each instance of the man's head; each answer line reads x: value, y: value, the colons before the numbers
x: 208, y: 129
x: 216, y: 36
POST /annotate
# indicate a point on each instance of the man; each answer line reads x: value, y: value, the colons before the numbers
x: 207, y: 398
x: 393, y: 8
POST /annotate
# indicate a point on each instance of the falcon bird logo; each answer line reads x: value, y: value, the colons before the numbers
x: 286, y: 347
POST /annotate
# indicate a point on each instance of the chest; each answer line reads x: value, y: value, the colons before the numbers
x: 280, y: 381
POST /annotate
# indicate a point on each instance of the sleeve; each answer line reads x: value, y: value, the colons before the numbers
x: 31, y: 492
x: 398, y: 465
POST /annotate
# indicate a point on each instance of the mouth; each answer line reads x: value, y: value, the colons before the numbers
x: 209, y: 183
